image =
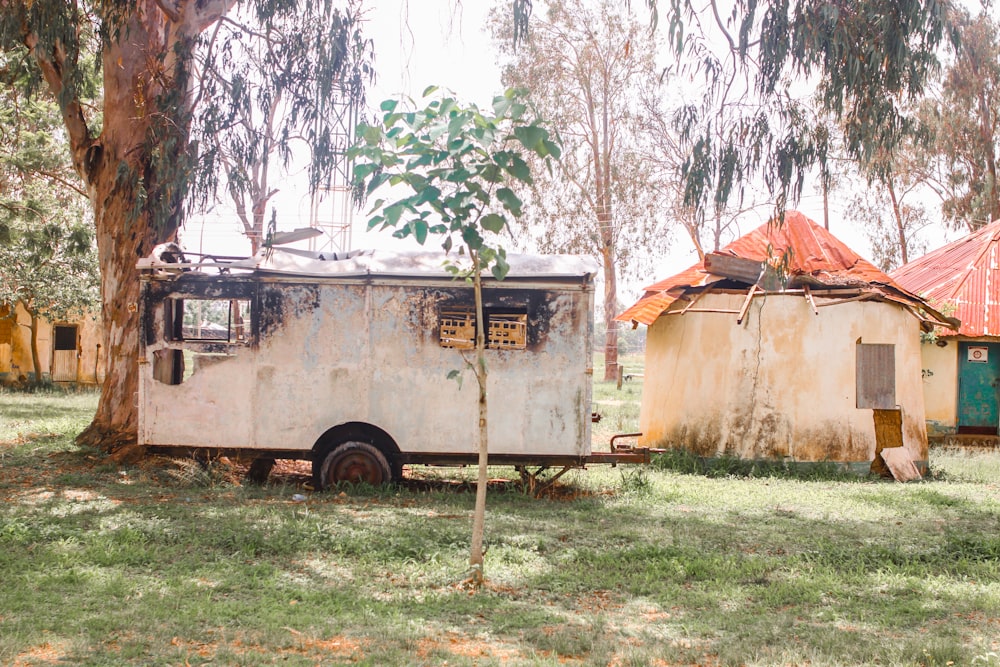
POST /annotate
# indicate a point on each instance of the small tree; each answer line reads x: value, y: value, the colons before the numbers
x: 454, y: 165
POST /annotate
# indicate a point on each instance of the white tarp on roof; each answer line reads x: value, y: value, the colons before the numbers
x: 414, y: 263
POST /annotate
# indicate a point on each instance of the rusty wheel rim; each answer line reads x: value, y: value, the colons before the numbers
x: 356, y: 467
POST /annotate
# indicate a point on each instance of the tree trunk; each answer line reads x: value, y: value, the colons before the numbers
x: 986, y: 125
x: 35, y: 357
x: 477, y: 575
x: 610, y: 311
x: 136, y: 196
x: 898, y: 215
x: 826, y: 202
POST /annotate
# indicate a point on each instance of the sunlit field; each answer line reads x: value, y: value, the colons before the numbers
x: 173, y: 563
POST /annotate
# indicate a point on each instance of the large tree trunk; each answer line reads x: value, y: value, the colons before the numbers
x: 134, y: 101
x: 135, y: 171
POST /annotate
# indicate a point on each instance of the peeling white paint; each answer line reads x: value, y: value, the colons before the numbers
x: 357, y: 348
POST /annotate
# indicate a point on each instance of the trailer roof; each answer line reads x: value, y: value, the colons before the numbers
x: 399, y: 263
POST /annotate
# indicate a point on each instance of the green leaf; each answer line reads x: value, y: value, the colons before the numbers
x: 472, y: 238
x: 552, y: 148
x: 388, y: 105
x: 419, y: 228
x: 457, y: 376
x: 493, y: 222
x: 501, y: 104
x: 510, y: 201
x: 530, y: 136
x: 519, y: 169
x: 500, y: 268
x: 428, y: 193
x: 363, y: 170
x: 393, y: 214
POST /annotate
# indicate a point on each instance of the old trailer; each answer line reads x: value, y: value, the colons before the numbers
x: 361, y: 362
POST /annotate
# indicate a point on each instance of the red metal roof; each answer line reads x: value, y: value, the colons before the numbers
x: 962, y: 275
x: 808, y: 248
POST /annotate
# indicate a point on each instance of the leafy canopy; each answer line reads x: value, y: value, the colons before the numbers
x: 456, y: 167
x: 866, y: 59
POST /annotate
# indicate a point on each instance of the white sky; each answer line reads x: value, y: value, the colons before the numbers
x: 443, y: 42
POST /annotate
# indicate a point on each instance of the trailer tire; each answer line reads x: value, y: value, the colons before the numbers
x: 354, y: 461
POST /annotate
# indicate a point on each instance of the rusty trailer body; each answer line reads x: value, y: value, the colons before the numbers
x: 361, y: 362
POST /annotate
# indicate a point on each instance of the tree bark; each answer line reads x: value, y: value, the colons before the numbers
x: 898, y: 215
x: 610, y: 311
x: 35, y: 357
x: 134, y: 172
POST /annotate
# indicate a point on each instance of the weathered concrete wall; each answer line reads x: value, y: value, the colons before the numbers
x: 781, y: 385
x: 369, y: 351
x: 15, y: 349
x: 940, y: 382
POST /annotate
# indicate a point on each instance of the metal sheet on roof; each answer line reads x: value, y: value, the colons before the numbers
x: 404, y: 263
x: 963, y: 276
x: 808, y: 249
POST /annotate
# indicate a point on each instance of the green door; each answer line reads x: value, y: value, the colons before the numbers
x: 978, y: 381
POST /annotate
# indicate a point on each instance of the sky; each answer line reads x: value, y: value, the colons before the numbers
x: 419, y: 43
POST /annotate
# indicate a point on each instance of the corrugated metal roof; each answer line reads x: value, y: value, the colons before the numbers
x: 809, y: 250
x: 962, y: 275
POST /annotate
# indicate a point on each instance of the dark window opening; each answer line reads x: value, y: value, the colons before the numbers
x: 65, y: 337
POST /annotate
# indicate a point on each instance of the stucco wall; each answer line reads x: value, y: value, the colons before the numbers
x: 15, y: 356
x: 940, y: 382
x: 779, y: 385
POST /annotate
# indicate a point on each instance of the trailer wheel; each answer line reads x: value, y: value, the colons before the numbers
x: 353, y: 462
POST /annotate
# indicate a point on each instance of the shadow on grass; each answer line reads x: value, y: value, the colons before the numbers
x: 684, y: 462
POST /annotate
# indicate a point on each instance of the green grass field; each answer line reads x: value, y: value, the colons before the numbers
x: 168, y: 563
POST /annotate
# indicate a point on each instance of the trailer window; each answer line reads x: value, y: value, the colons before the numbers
x: 214, y: 320
x: 505, y: 330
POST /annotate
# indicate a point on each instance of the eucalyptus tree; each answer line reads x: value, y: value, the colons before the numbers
x: 891, y: 221
x: 865, y: 60
x: 276, y: 108
x: 965, y: 119
x: 587, y: 67
x: 451, y: 173
x: 134, y: 151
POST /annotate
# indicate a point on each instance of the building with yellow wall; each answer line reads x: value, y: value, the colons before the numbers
x: 69, y: 351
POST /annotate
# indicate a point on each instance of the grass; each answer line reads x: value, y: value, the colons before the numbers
x: 164, y: 564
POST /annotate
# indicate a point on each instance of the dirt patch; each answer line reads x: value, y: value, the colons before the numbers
x: 467, y: 647
x: 41, y: 654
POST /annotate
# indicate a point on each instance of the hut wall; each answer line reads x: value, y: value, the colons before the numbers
x: 781, y: 385
x: 940, y: 382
